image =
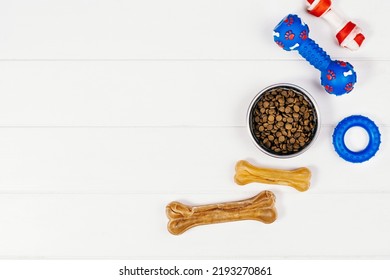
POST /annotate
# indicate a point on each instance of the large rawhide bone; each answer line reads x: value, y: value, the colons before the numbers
x: 182, y: 217
x: 247, y: 173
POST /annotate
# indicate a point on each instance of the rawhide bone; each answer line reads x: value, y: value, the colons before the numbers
x: 247, y: 173
x: 292, y: 34
x: 348, y: 34
x: 183, y: 217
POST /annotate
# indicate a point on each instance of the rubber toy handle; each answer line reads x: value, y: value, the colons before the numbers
x: 314, y: 54
x: 337, y: 77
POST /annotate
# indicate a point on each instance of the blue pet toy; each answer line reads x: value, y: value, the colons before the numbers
x: 373, y: 143
x: 337, y: 77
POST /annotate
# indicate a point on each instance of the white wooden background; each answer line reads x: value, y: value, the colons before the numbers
x: 109, y: 110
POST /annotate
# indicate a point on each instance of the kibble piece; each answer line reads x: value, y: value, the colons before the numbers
x: 296, y: 108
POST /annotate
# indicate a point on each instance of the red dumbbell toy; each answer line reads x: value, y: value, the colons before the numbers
x: 348, y: 34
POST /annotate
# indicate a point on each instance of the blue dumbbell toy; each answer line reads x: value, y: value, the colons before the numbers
x: 337, y: 77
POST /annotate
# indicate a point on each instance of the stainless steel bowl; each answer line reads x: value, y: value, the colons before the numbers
x: 257, y: 141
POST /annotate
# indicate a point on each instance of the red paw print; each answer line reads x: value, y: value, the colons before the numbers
x: 331, y: 75
x: 342, y: 63
x: 303, y: 35
x: 289, y: 35
x: 348, y: 87
x: 329, y: 88
x: 289, y: 21
x: 280, y: 44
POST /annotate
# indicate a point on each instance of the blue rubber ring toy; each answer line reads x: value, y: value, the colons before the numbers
x: 373, y: 134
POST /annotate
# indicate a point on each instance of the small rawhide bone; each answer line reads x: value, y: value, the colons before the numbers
x: 183, y: 217
x: 247, y: 173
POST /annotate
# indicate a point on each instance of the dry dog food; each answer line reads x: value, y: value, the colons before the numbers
x: 283, y: 120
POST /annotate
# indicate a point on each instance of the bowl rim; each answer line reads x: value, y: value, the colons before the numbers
x: 304, y: 92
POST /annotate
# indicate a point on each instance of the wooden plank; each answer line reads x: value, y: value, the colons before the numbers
x: 134, y: 226
x: 109, y: 110
x: 170, y: 93
x: 164, y: 160
x: 173, y: 29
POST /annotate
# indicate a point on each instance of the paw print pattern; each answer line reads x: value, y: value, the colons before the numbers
x: 289, y: 21
x: 342, y: 63
x: 289, y: 35
x: 331, y: 75
x: 303, y: 35
x: 329, y: 88
x: 280, y: 44
x: 348, y: 87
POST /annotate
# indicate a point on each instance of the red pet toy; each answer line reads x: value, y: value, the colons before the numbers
x: 348, y: 34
